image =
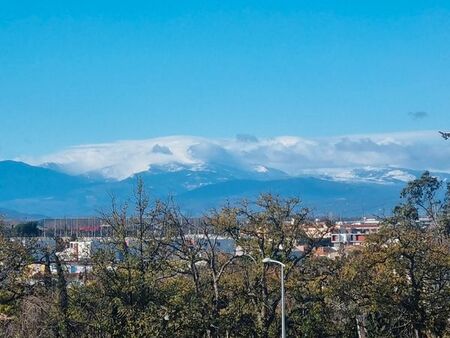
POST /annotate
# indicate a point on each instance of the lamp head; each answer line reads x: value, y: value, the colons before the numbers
x: 269, y: 260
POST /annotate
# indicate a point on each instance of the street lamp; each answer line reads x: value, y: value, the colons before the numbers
x: 283, y: 326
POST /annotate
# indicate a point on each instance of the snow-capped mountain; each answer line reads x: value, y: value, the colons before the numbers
x: 386, y: 175
x: 26, y: 189
x: 331, y: 174
x: 289, y: 154
x: 122, y: 160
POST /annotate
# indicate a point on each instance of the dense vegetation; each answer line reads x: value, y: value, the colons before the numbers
x: 166, y: 283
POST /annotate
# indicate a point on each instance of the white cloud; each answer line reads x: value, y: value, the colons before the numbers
x: 294, y: 155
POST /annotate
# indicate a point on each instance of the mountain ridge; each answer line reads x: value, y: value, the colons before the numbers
x: 36, y: 190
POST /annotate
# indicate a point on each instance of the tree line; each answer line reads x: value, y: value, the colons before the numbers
x: 164, y: 282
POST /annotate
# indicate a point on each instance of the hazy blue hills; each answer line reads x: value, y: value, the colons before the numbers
x: 19, y: 180
x: 12, y: 214
x: 322, y: 196
x: 30, y: 190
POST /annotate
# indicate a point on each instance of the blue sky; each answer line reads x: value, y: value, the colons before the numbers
x: 74, y: 72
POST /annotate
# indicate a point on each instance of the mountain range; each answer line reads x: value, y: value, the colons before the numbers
x: 49, y: 190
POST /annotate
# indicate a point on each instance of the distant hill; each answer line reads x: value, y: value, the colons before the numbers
x: 19, y: 180
x: 321, y: 196
x: 15, y: 215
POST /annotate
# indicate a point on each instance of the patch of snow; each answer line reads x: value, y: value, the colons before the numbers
x: 261, y: 169
x: 400, y: 175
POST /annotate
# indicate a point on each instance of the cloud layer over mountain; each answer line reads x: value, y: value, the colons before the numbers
x: 291, y: 154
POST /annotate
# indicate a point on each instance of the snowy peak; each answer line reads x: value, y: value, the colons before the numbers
x: 366, y: 175
x: 36, y: 190
x: 289, y: 154
x: 381, y: 175
x: 122, y: 159
x: 189, y: 177
x: 399, y: 175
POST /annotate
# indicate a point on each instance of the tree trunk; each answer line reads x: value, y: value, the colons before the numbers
x: 361, y: 326
x: 63, y: 299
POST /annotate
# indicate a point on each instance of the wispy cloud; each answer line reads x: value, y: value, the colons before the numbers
x: 292, y: 154
x: 418, y: 115
x: 161, y: 149
x: 246, y: 138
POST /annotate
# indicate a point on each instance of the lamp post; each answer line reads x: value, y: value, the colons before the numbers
x: 283, y: 326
